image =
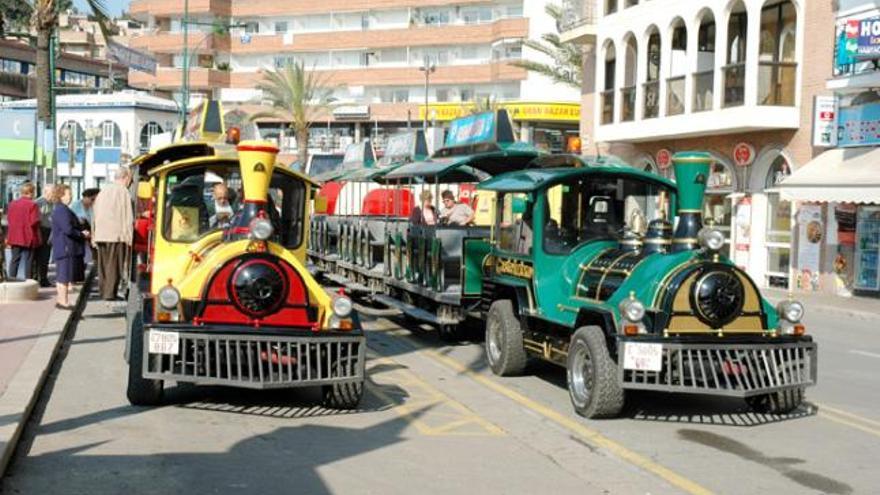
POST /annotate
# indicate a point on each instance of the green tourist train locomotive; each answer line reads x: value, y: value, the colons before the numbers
x: 577, y: 263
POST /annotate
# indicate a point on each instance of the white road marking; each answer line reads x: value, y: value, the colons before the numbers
x: 865, y: 353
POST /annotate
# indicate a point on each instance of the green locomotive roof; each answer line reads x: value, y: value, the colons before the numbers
x: 467, y: 168
x: 559, y: 168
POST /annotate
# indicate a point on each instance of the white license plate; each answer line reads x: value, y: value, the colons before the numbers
x: 643, y: 356
x: 164, y: 342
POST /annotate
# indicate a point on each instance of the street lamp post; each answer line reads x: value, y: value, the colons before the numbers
x: 428, y: 67
x: 185, y: 96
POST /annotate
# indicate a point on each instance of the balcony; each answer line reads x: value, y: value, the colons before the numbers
x: 172, y: 42
x: 628, y: 104
x: 652, y: 99
x: 734, y: 84
x: 142, y: 10
x: 704, y: 90
x: 607, y: 105
x: 675, y: 95
x: 170, y: 79
x: 580, y: 22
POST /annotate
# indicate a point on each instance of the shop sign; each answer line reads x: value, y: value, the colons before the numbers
x: 825, y: 121
x: 664, y: 159
x: 133, y: 59
x: 859, y: 125
x: 519, y: 111
x: 743, y: 154
x: 867, y: 37
x: 352, y: 112
x: 811, y: 230
x: 17, y: 131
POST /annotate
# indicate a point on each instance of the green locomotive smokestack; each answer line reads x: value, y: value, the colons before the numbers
x: 691, y: 176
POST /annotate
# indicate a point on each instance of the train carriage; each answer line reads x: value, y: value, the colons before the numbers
x: 222, y: 296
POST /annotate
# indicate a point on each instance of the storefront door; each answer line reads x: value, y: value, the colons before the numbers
x: 779, y: 224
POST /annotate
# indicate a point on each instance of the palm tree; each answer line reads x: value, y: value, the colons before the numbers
x: 45, y: 21
x: 297, y: 96
x: 567, y: 58
x: 14, y: 14
x: 481, y: 105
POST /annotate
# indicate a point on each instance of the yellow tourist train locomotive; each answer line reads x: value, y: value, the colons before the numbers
x: 221, y: 294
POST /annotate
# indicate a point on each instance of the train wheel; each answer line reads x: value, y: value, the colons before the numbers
x: 781, y: 402
x: 140, y: 391
x: 592, y: 375
x: 344, y: 395
x: 504, y: 340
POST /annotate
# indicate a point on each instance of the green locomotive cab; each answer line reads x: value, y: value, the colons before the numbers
x: 583, y: 270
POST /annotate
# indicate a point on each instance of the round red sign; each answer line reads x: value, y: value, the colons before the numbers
x: 664, y: 159
x: 743, y: 154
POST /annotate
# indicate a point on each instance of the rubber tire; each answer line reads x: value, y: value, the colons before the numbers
x: 606, y: 399
x: 512, y: 358
x: 140, y: 391
x: 781, y: 402
x: 342, y: 396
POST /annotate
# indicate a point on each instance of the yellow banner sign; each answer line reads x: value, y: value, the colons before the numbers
x: 519, y: 111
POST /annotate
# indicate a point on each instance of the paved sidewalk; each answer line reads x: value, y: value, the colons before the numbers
x: 31, y: 334
x: 857, y: 307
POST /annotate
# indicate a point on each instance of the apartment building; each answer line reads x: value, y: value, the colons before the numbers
x: 735, y: 77
x: 372, y: 50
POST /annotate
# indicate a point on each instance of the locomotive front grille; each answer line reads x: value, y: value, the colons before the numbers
x: 738, y: 370
x: 260, y: 362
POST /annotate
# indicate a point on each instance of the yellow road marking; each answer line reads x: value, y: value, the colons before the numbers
x: 851, y: 424
x: 824, y: 407
x: 591, y: 436
x: 423, y: 398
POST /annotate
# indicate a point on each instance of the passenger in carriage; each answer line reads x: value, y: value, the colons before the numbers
x: 455, y: 213
x: 425, y: 214
x: 221, y: 209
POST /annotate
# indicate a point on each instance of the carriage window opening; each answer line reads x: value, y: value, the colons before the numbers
x: 200, y: 200
x: 515, y: 227
x: 287, y: 201
x: 600, y: 209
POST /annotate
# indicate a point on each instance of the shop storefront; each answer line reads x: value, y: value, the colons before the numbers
x: 17, y: 130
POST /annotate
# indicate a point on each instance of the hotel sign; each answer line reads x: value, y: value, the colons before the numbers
x: 862, y: 38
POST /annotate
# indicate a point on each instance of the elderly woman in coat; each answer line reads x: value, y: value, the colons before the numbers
x: 68, y: 247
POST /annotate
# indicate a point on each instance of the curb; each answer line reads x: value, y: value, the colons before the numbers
x: 26, y: 386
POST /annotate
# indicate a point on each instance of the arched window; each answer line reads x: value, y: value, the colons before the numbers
x: 778, y: 225
x: 677, y: 68
x: 777, y: 62
x: 704, y: 77
x: 630, y: 70
x: 607, y: 95
x: 148, y: 131
x: 652, y: 74
x: 109, y: 135
x: 68, y: 130
x: 717, y: 206
x: 735, y: 70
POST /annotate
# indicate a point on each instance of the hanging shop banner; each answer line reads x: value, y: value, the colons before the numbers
x: 859, y: 125
x: 811, y: 232
x: 17, y: 130
x: 825, y: 121
x: 473, y: 129
x: 868, y: 45
x: 131, y: 58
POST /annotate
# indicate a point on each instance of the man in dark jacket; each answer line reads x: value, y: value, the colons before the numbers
x: 23, y: 234
x: 44, y: 252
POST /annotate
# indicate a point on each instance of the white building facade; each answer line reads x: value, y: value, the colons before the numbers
x: 95, y: 133
x: 736, y: 78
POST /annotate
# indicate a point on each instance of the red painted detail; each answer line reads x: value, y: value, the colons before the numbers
x: 219, y: 308
x: 275, y: 358
x: 256, y: 201
x: 240, y: 230
x: 466, y: 192
x: 254, y: 147
x: 330, y: 192
x: 386, y: 201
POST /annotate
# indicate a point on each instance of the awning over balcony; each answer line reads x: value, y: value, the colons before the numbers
x: 844, y: 175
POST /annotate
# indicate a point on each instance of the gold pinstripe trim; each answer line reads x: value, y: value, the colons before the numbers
x: 610, y: 267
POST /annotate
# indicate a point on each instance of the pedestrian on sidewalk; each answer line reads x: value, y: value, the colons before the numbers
x: 83, y: 210
x: 46, y: 204
x: 23, y: 234
x: 68, y: 242
x: 2, y: 246
x: 112, y: 232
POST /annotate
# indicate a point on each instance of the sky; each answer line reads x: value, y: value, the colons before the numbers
x: 115, y: 6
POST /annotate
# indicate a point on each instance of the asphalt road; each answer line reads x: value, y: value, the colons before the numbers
x: 435, y: 420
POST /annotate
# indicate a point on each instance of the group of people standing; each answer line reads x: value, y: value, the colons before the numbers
x: 98, y: 226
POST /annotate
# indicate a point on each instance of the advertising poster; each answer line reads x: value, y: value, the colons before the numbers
x: 869, y: 38
x: 811, y: 232
x: 743, y: 233
x: 825, y: 121
x: 859, y: 125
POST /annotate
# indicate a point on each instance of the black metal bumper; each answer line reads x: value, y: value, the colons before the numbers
x: 261, y: 359
x: 737, y: 367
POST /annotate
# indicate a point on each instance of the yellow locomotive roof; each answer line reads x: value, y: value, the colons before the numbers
x: 222, y: 153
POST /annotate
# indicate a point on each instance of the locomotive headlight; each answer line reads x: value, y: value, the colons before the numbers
x: 711, y: 239
x: 261, y: 229
x: 791, y: 311
x: 342, y: 306
x: 168, y: 297
x: 632, y: 309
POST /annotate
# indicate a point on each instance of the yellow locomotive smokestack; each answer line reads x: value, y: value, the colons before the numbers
x: 257, y: 161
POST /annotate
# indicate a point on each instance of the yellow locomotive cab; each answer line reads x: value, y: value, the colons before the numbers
x: 225, y: 294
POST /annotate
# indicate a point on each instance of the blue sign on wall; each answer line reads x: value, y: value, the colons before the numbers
x: 479, y: 128
x: 859, y: 125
